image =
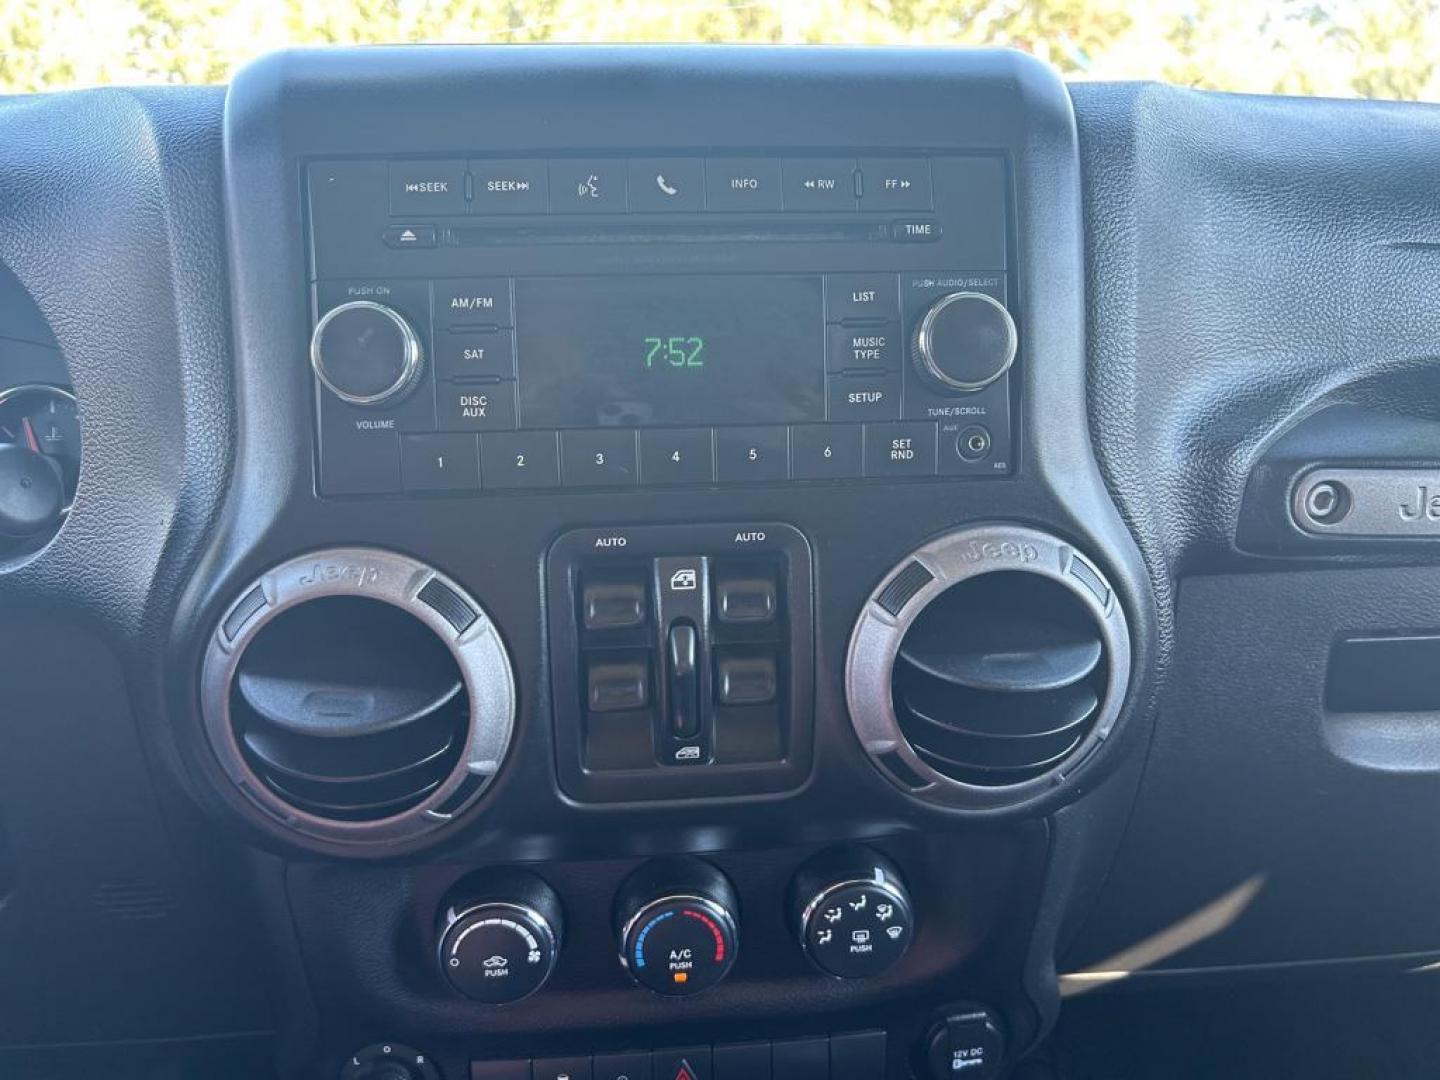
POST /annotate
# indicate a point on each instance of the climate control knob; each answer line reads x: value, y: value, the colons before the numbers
x: 677, y: 923
x: 499, y: 942
x: 964, y: 342
x: 852, y: 913
x: 366, y: 353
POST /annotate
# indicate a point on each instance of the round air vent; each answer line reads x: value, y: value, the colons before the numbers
x: 358, y: 696
x: 988, y: 666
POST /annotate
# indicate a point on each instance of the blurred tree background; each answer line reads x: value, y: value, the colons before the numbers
x: 1345, y: 48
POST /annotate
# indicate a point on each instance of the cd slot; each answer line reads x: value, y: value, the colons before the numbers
x: 689, y: 232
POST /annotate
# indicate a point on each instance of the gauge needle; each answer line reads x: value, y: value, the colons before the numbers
x: 30, y: 440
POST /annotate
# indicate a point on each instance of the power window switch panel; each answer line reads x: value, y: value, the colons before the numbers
x: 747, y: 680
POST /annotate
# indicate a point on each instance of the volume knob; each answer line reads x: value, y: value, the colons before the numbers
x: 964, y: 342
x: 366, y: 353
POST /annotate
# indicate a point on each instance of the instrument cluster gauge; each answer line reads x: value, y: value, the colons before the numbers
x: 39, y: 460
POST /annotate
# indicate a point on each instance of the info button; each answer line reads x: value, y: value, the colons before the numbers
x: 742, y: 184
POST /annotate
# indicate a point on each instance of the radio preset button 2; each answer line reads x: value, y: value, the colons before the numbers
x: 520, y: 459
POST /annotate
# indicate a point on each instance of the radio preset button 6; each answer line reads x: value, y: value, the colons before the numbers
x: 484, y: 407
x: 598, y: 458
x: 850, y: 297
x: 826, y: 451
x: 867, y: 397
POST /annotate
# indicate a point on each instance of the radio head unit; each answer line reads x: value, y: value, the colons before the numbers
x: 496, y: 325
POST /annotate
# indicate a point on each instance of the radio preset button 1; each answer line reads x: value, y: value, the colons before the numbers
x: 472, y: 354
x: 742, y: 184
x: 484, y: 407
x: 752, y: 453
x: 667, y: 185
x: 598, y: 458
x: 427, y: 187
x: 863, y: 348
x: 682, y: 456
x: 510, y: 187
x: 850, y: 297
x: 587, y: 186
x: 827, y: 451
x: 903, y: 449
x: 895, y: 184
x: 819, y: 183
x: 444, y: 462
x: 868, y: 397
x: 473, y: 302
x: 520, y: 459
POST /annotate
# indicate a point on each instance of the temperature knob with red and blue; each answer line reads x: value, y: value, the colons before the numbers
x: 677, y: 923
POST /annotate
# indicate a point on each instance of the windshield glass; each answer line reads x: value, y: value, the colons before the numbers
x: 1343, y: 48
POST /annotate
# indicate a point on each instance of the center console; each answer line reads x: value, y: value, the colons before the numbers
x: 667, y: 619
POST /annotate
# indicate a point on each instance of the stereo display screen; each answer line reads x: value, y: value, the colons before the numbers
x: 655, y: 351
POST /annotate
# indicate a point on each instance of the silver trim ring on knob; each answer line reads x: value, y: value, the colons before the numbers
x: 925, y: 344
x: 414, y: 355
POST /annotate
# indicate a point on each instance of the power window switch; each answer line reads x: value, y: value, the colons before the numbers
x: 745, y: 599
x: 746, y: 680
x: 618, y: 686
x: 613, y: 605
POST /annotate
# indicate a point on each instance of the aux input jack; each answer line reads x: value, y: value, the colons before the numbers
x: 974, y: 443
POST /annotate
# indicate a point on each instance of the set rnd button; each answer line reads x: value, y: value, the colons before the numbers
x: 903, y: 449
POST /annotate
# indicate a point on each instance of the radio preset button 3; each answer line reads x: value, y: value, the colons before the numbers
x: 598, y: 458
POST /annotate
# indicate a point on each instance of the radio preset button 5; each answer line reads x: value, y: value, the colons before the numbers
x: 752, y: 453
x: 486, y: 407
x: 598, y: 458
x: 867, y: 397
x: 850, y: 297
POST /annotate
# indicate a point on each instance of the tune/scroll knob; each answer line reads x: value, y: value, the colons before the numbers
x: 964, y: 342
x: 677, y: 926
x: 366, y: 353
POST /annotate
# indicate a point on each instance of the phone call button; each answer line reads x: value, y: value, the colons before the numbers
x: 667, y: 185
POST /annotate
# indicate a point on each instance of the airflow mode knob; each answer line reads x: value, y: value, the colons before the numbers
x: 988, y: 666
